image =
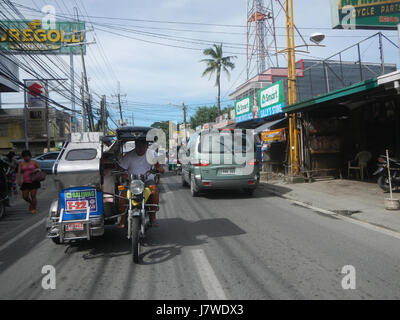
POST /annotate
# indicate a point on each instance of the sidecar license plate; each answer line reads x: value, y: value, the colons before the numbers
x: 76, y: 226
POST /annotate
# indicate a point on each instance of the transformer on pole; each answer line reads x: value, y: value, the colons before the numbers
x: 261, y: 37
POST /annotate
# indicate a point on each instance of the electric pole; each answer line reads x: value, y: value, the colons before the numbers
x: 118, y: 96
x: 86, y: 105
x: 103, y: 109
x: 294, y: 148
x: 84, y: 127
x: 184, y: 120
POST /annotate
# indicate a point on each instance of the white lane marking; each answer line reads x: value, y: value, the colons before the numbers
x: 207, y: 276
x: 22, y: 234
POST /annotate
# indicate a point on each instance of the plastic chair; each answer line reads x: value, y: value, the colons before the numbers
x: 362, y: 158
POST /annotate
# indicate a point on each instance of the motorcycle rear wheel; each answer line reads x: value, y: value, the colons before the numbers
x: 383, y: 183
x: 135, y: 240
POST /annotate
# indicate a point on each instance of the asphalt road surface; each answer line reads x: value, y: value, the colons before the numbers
x: 223, y: 245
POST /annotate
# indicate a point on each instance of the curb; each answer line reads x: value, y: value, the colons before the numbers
x: 379, y: 228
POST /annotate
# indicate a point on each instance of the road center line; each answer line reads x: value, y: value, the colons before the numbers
x: 22, y: 234
x: 207, y: 276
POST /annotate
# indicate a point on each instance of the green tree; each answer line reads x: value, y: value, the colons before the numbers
x: 203, y: 115
x: 216, y: 64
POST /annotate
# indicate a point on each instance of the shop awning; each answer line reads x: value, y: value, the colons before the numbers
x: 268, y: 125
x: 337, y: 94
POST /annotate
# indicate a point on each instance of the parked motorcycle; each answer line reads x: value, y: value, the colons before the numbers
x: 178, y: 169
x: 382, y: 171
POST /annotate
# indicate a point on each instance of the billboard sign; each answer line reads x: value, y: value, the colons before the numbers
x: 20, y: 37
x: 36, y: 94
x: 365, y: 14
x: 271, y: 100
x: 243, y: 110
x: 37, y: 122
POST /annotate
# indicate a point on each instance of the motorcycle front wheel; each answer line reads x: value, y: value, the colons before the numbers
x: 383, y: 183
x: 135, y: 239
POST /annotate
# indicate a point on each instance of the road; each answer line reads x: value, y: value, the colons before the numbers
x: 223, y: 245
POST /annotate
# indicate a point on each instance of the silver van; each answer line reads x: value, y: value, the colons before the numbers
x: 220, y: 159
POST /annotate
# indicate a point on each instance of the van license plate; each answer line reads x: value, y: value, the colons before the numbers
x: 227, y: 171
x: 76, y: 226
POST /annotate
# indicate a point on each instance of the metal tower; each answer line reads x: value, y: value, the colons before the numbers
x: 261, y: 37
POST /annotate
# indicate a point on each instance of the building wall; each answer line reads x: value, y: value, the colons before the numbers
x: 10, y: 130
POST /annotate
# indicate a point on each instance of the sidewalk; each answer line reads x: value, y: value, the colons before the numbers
x: 359, y: 200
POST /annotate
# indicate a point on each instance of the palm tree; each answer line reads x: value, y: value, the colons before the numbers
x: 215, y: 64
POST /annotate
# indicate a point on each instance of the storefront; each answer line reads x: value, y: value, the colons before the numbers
x: 334, y: 128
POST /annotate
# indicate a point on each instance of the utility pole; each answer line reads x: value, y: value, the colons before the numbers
x: 85, y: 84
x: 47, y: 116
x: 118, y: 96
x: 104, y: 115
x: 293, y: 134
x: 25, y: 119
x: 184, y: 121
x: 72, y: 76
x: 84, y: 127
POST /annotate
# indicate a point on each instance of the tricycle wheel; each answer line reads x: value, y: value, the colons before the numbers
x: 56, y: 240
x: 135, y: 240
x: 2, y: 209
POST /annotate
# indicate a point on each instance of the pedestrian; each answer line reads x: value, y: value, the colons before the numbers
x: 28, y: 187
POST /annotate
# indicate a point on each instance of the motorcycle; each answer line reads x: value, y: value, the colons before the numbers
x: 139, y: 211
x: 178, y: 168
x: 92, y: 195
x: 382, y: 171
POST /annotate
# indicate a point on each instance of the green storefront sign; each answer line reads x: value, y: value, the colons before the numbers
x: 244, y: 110
x: 271, y: 100
x: 19, y: 37
x: 365, y: 14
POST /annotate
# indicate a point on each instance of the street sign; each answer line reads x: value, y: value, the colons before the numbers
x: 36, y: 94
x: 36, y: 122
x: 20, y: 37
x: 365, y: 14
x: 271, y: 100
x: 244, y: 110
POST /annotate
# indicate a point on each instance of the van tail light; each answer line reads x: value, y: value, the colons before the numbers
x: 202, y: 163
x: 252, y: 163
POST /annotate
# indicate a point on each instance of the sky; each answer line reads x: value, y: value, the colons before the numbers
x: 156, y: 78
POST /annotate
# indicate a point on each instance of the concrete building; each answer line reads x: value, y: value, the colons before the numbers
x: 12, y: 129
x: 314, y: 78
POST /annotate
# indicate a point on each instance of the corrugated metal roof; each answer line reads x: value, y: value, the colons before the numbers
x: 353, y: 89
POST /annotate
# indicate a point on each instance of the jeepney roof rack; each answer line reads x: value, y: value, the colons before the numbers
x: 132, y: 133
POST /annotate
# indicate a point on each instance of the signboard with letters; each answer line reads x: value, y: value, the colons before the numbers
x: 271, y: 100
x: 365, y: 14
x: 18, y: 36
x: 243, y: 110
x: 271, y: 136
x: 36, y: 93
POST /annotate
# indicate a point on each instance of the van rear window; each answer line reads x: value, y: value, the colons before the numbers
x: 81, y: 154
x: 224, y: 143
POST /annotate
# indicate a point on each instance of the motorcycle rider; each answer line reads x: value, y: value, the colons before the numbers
x: 136, y: 162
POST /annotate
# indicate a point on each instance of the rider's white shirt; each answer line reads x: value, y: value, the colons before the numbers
x: 135, y: 164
